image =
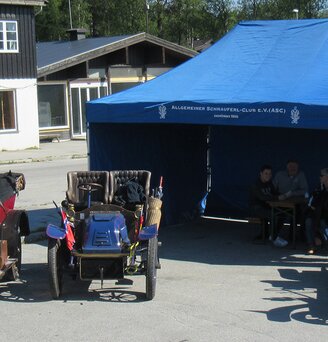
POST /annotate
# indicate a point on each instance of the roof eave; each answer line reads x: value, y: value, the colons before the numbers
x: 24, y: 2
x: 138, y: 38
x: 170, y: 45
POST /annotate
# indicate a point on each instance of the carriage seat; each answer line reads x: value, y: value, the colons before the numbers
x: 119, y: 178
x: 79, y: 198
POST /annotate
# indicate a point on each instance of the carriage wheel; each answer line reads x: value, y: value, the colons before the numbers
x: 15, y: 251
x: 55, y: 268
x: 151, y: 270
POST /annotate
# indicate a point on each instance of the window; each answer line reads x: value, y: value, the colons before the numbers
x: 7, y: 110
x: 122, y: 78
x: 52, y: 105
x: 116, y: 87
x: 154, y: 72
x: 127, y: 72
x: 8, y: 36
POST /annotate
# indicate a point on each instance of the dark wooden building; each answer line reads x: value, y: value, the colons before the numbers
x: 18, y: 73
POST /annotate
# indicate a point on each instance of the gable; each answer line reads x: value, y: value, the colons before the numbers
x: 56, y: 56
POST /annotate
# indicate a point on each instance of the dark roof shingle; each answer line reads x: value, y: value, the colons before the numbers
x: 53, y: 52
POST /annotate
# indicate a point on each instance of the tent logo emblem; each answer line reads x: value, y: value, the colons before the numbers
x: 295, y: 115
x: 162, y: 112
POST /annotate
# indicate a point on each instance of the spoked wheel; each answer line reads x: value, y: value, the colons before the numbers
x: 151, y: 270
x: 55, y: 268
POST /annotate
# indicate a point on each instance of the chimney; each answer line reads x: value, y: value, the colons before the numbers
x: 76, y: 33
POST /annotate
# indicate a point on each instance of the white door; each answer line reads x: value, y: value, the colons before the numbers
x: 80, y: 94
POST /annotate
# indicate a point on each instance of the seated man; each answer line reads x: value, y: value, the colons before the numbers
x: 262, y: 191
x: 317, y: 214
x: 291, y: 182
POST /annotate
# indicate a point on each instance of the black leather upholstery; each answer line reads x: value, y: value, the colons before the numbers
x: 79, y: 197
x: 119, y: 177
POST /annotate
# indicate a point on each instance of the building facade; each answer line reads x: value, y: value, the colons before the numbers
x: 44, y: 86
x: 19, y: 125
x: 81, y: 69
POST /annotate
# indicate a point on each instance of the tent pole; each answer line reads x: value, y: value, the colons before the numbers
x: 208, y: 164
x: 88, y: 144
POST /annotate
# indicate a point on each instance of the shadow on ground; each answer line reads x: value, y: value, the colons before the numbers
x: 34, y: 288
x: 303, y: 296
x: 208, y: 241
x: 229, y: 243
x: 302, y: 288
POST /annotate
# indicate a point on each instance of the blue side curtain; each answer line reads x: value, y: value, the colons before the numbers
x: 237, y: 154
x: 176, y: 152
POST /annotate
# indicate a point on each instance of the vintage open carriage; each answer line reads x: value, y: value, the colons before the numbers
x: 103, y: 240
x: 13, y: 225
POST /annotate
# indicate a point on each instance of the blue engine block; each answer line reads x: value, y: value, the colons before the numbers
x: 105, y: 233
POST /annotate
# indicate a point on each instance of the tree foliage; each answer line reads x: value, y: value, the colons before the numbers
x: 180, y: 21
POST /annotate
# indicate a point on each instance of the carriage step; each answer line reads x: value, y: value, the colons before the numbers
x: 124, y: 281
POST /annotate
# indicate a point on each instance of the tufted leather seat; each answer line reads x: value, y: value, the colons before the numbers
x: 79, y: 197
x: 119, y: 177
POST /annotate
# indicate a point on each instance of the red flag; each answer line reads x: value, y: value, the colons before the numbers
x: 70, y: 240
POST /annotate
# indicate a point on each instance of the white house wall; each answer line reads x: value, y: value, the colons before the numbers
x: 27, y: 134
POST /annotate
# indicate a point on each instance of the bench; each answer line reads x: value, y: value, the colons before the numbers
x: 49, y: 137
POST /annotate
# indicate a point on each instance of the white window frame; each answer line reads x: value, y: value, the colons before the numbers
x: 46, y: 128
x: 15, y: 128
x: 4, y: 36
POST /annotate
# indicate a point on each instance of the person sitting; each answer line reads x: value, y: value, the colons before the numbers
x: 291, y: 182
x: 317, y: 214
x: 262, y: 191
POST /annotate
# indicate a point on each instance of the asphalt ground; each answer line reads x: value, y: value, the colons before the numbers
x: 214, y: 285
x: 48, y: 151
x: 45, y: 172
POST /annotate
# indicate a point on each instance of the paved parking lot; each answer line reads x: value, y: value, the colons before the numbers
x: 214, y: 285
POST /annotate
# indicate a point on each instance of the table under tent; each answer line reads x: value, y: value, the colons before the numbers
x: 259, y: 95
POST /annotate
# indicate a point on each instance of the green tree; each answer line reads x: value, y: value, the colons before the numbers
x: 219, y: 18
x: 100, y: 23
x: 183, y: 18
x: 157, y: 16
x: 51, y: 22
x: 81, y: 16
x: 130, y: 16
x: 280, y: 9
x: 310, y: 8
x: 117, y: 17
x: 252, y: 9
x: 180, y: 21
x: 54, y: 20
